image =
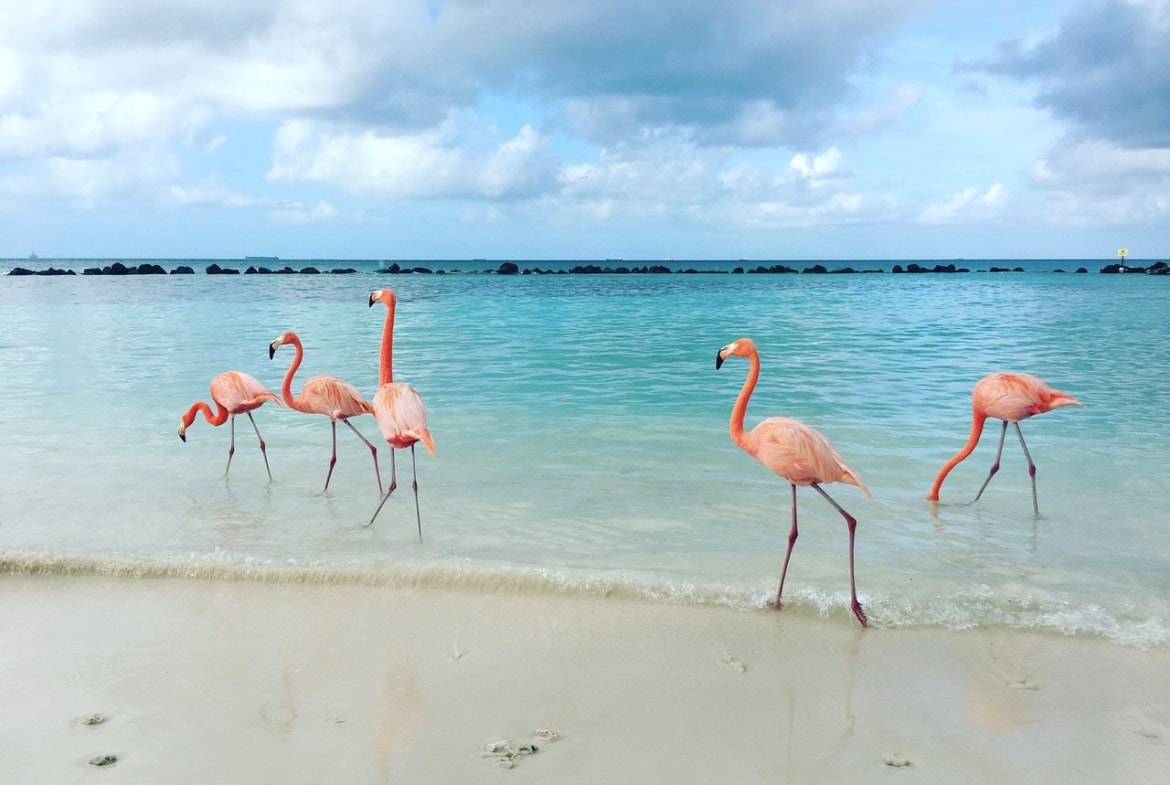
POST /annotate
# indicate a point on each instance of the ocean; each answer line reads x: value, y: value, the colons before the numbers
x: 581, y: 435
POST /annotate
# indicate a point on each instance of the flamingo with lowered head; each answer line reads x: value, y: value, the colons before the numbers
x: 336, y: 399
x: 1010, y: 397
x: 234, y: 393
x: 399, y: 409
x: 796, y: 452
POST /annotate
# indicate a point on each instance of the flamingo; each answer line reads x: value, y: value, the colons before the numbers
x: 399, y: 409
x: 796, y: 452
x: 234, y: 393
x: 336, y: 399
x: 1010, y: 397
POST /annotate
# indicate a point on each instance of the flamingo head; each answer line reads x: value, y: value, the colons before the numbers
x: 184, y: 424
x: 744, y: 347
x: 383, y: 296
x: 288, y: 337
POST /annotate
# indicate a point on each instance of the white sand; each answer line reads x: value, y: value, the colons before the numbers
x: 226, y: 682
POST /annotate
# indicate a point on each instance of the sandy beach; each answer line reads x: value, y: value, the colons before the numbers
x: 196, y: 681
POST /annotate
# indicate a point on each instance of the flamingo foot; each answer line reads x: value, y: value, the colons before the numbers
x: 860, y: 614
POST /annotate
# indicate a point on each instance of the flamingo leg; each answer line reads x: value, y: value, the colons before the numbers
x: 263, y: 451
x: 414, y: 485
x: 994, y: 466
x: 851, y: 522
x: 389, y: 490
x: 1031, y: 469
x: 333, y: 457
x: 792, y: 535
x: 373, y: 453
x: 231, y: 444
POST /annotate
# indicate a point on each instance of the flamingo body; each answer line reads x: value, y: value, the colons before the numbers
x: 398, y: 408
x: 233, y: 393
x: 334, y: 398
x: 1010, y: 397
x: 795, y: 451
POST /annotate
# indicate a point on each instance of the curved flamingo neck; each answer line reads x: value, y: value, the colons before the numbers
x: 386, y: 358
x: 977, y: 421
x: 286, y: 385
x: 739, y: 411
x: 219, y: 418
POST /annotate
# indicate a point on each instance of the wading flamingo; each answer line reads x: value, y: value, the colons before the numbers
x: 234, y: 393
x: 400, y: 412
x: 336, y: 399
x: 796, y: 452
x: 1010, y: 397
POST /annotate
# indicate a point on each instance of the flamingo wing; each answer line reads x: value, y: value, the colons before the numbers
x: 1017, y: 396
x: 402, y: 416
x: 799, y: 453
x: 238, y: 392
x: 333, y: 397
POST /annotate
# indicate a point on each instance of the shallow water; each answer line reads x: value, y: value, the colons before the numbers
x: 581, y: 433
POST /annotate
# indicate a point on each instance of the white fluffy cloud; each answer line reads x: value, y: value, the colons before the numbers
x: 967, y: 206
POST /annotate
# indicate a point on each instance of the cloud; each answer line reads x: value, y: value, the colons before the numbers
x: 322, y: 212
x: 1106, y: 70
x: 427, y: 164
x: 967, y: 206
x: 1098, y: 184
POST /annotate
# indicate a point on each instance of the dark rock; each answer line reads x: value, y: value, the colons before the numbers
x: 21, y: 271
x: 182, y: 270
x: 151, y: 269
x: 507, y: 268
x: 1158, y: 268
x: 421, y: 270
x: 343, y: 271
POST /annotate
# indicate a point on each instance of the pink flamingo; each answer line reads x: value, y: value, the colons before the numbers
x: 234, y: 393
x: 399, y: 409
x: 796, y: 452
x: 336, y: 399
x: 1010, y: 397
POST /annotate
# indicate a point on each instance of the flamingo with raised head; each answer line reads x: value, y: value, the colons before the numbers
x: 1010, y: 397
x: 234, y: 393
x: 399, y: 409
x: 336, y: 399
x: 796, y: 452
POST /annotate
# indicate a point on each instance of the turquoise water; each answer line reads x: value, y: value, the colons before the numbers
x: 582, y: 446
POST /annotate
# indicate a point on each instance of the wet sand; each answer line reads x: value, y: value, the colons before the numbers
x: 198, y: 681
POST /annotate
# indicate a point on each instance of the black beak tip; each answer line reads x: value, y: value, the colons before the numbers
x: 718, y: 360
x: 183, y: 436
x: 372, y: 301
x: 271, y: 351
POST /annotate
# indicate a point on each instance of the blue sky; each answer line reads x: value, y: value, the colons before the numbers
x: 682, y: 129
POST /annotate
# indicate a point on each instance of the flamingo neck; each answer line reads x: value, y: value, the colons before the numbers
x: 977, y: 421
x: 286, y: 385
x: 218, y: 418
x: 386, y: 359
x: 739, y: 411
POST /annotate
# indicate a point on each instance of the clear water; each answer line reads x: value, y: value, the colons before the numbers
x: 582, y: 446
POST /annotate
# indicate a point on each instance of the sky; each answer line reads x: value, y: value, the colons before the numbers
x: 585, y: 129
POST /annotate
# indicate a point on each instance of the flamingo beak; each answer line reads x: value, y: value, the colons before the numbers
x: 272, y: 350
x: 719, y: 359
x: 373, y: 300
